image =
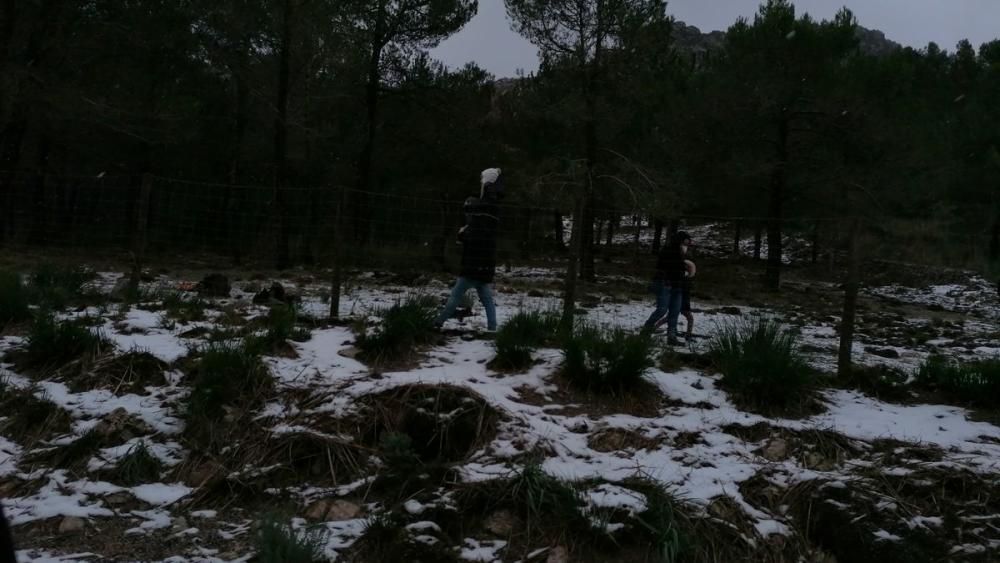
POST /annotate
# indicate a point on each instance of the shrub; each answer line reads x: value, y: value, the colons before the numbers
x: 600, y: 361
x: 137, y: 466
x: 521, y: 335
x: 277, y: 542
x: 543, y: 498
x: 31, y: 416
x: 397, y: 452
x: 183, y: 309
x: 13, y: 299
x: 228, y: 374
x: 976, y: 382
x: 403, y: 327
x: 55, y: 286
x: 659, y: 523
x: 761, y: 364
x: 281, y: 327
x: 53, y: 343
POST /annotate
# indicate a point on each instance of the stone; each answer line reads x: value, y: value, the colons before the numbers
x: 342, y: 510
x: 179, y: 524
x: 317, y: 510
x: 214, y: 285
x: 72, y: 525
x: 883, y: 352
x: 500, y: 523
x: 776, y: 449
x: 118, y: 499
x: 203, y: 473
x: 731, y: 311
x: 559, y: 554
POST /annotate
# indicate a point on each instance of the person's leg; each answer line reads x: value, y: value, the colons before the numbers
x: 674, y: 311
x: 661, y: 292
x: 486, y: 297
x: 686, y: 311
x: 461, y: 286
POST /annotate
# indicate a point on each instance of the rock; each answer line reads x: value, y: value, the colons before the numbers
x: 350, y: 352
x: 731, y: 311
x: 72, y: 525
x: 883, y: 352
x: 818, y: 462
x: 214, y: 285
x: 120, y: 424
x: 118, y: 499
x: 275, y: 293
x: 500, y: 523
x: 559, y: 554
x: 317, y: 510
x: 535, y: 293
x: 179, y: 525
x: 204, y: 473
x: 342, y: 510
x: 776, y: 449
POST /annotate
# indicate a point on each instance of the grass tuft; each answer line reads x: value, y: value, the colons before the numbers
x: 606, y: 362
x: 182, y: 308
x: 402, y: 328
x: 137, y: 466
x: 278, y: 542
x: 976, y: 382
x: 521, y: 335
x: 761, y: 364
x: 52, y: 343
x: 282, y: 326
x: 228, y: 377
x: 14, y: 299
x: 56, y: 286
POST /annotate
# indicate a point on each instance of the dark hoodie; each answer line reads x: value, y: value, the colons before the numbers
x: 670, y: 262
x: 479, y: 237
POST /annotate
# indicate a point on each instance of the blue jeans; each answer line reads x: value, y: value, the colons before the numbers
x: 485, y: 295
x: 668, y: 303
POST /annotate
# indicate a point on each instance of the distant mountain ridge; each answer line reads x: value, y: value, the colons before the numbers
x: 690, y: 39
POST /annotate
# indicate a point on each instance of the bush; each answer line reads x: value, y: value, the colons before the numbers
x: 182, y: 309
x: 976, y: 382
x: 281, y: 327
x: 403, y: 327
x: 228, y: 374
x: 521, y: 335
x: 277, y: 542
x: 54, y: 343
x: 544, y: 499
x: 55, y: 286
x: 600, y: 361
x: 137, y: 466
x: 760, y: 362
x: 659, y: 523
x: 14, y: 299
x: 397, y: 451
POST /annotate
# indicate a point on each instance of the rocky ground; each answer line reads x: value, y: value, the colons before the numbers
x: 859, y: 477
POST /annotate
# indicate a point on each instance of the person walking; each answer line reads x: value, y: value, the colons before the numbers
x: 479, y: 248
x: 667, y: 286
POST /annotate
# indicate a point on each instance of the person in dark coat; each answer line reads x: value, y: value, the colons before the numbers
x: 7, y: 554
x: 479, y: 248
x: 668, y: 285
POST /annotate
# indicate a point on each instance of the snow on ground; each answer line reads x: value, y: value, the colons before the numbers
x: 698, y: 471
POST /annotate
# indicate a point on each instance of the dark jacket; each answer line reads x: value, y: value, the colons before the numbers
x: 670, y: 265
x: 479, y: 240
x: 6, y: 544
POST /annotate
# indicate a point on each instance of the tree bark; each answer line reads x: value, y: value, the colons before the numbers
x: 850, y: 304
x: 366, y: 162
x: 282, y: 253
x: 758, y: 236
x: 737, y: 238
x: 779, y: 178
x: 570, y: 285
x: 657, y: 236
x: 558, y: 230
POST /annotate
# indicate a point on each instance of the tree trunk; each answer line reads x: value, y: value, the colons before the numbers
x: 657, y: 236
x: 570, y: 284
x: 558, y: 228
x: 241, y: 108
x: 282, y: 256
x: 772, y: 274
x: 758, y: 236
x: 737, y: 238
x: 526, y: 250
x: 850, y: 305
x: 995, y: 239
x: 815, y: 242
x: 366, y: 162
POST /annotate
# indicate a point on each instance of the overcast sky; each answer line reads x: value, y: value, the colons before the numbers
x: 489, y: 41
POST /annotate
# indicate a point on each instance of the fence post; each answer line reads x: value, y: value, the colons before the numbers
x: 850, y: 303
x: 141, y: 229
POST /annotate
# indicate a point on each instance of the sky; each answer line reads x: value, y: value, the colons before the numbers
x: 489, y: 41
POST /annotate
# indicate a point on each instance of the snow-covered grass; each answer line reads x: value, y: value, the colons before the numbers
x: 694, y: 441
